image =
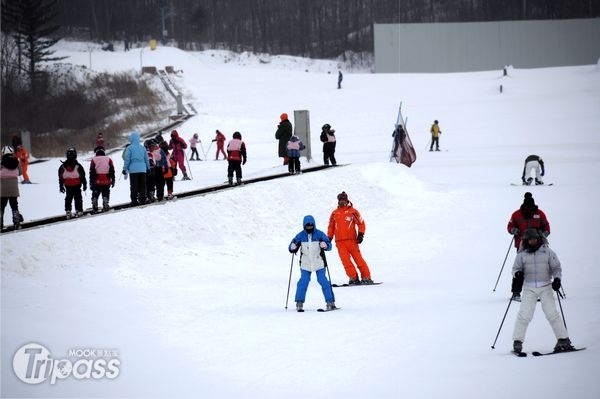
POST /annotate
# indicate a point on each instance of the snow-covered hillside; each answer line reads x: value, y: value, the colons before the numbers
x: 189, y: 296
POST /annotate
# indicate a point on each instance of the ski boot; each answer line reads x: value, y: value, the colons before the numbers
x: 538, y: 182
x: 354, y: 281
x: 366, y: 281
x: 79, y: 214
x: 563, y: 344
x: 230, y: 180
x: 517, y: 346
x: 529, y: 181
x: 186, y: 177
x: 300, y: 306
x: 516, y: 297
x: 17, y: 219
x: 331, y: 306
x: 170, y: 196
x: 68, y: 214
x: 238, y: 181
x: 94, y: 205
x: 105, y: 206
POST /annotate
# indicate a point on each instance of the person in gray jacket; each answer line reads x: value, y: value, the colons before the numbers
x: 537, y: 272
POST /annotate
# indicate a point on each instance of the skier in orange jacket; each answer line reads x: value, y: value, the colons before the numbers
x: 343, y: 224
x: 23, y: 156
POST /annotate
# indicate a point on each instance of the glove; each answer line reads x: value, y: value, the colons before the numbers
x: 84, y: 186
x: 112, y: 183
x: 545, y: 234
x: 514, y: 231
x: 124, y: 172
x: 556, y: 284
x: 523, y: 179
x: 360, y: 237
x: 323, y: 244
x: 294, y: 247
x: 61, y: 188
x: 244, y: 162
x: 517, y: 283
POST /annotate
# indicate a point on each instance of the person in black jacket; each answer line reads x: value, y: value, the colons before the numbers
x: 284, y: 134
x: 328, y: 139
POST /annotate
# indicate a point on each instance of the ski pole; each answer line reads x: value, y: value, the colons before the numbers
x: 208, y: 151
x: 328, y: 274
x: 203, y: 152
x: 503, y: 263
x: 502, y: 323
x: 189, y: 167
x: 429, y: 144
x: 558, y: 296
x: 289, y: 281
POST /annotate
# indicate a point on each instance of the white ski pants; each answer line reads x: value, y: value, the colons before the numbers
x: 529, y: 298
x: 535, y: 167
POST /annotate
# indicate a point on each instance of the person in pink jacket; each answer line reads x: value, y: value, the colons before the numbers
x: 10, y: 170
x: 178, y: 146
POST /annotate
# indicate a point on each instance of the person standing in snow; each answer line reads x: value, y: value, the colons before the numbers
x: 10, y: 169
x: 343, y: 225
x: 71, y: 179
x: 193, y: 143
x: 284, y: 134
x: 294, y: 146
x: 435, y: 136
x: 312, y: 243
x: 220, y: 139
x: 537, y: 271
x: 328, y: 139
x: 340, y: 78
x: 533, y: 163
x: 169, y: 170
x: 136, y: 164
x: 178, y: 146
x: 23, y: 157
x: 102, y: 178
x: 236, y: 157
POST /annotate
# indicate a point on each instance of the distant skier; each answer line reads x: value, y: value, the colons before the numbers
x: 284, y: 134
x: 220, y: 139
x: 193, y: 145
x: 71, y: 180
x: 236, y: 157
x: 328, y: 139
x: 294, y: 146
x: 10, y: 169
x: 435, y: 136
x: 102, y: 178
x: 343, y: 225
x: 340, y: 78
x: 533, y: 163
x: 537, y: 271
x: 312, y: 242
x: 23, y: 157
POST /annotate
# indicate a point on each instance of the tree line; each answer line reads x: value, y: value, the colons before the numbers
x: 309, y: 28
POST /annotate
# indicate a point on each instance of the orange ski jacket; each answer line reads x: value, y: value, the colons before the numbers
x: 343, y: 223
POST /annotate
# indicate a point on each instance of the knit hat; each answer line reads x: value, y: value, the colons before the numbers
x: 237, y: 135
x: 342, y: 196
x: 283, y: 116
x: 528, y: 202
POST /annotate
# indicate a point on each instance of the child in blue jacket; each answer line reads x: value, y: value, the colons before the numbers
x: 311, y: 242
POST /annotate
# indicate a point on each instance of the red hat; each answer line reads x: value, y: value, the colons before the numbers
x: 283, y: 116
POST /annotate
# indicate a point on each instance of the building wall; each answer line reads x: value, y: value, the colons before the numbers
x: 478, y: 46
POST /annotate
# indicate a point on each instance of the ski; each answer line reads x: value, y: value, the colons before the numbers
x: 519, y: 354
x: 556, y: 353
x: 354, y: 285
x: 328, y: 310
x: 531, y: 185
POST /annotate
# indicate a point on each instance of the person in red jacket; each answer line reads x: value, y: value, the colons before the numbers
x: 178, y: 146
x: 102, y: 178
x: 71, y: 179
x: 220, y: 139
x: 528, y: 216
x: 343, y: 225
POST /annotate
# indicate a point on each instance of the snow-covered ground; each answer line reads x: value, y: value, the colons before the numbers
x: 189, y: 296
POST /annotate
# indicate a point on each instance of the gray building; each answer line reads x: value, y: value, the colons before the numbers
x: 480, y: 46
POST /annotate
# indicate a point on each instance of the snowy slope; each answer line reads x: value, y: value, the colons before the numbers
x: 191, y: 294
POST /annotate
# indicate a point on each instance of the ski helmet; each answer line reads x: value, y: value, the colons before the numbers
x: 99, y: 150
x: 237, y: 135
x: 326, y: 126
x: 435, y: 121
x: 71, y: 154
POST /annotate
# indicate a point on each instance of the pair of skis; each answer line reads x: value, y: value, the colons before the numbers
x: 537, y: 354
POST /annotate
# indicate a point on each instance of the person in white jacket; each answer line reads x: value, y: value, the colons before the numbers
x: 537, y: 272
x: 312, y: 242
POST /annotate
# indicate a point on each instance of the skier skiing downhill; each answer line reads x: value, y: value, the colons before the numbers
x: 533, y: 163
x: 528, y: 216
x: 343, y: 223
x: 311, y: 242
